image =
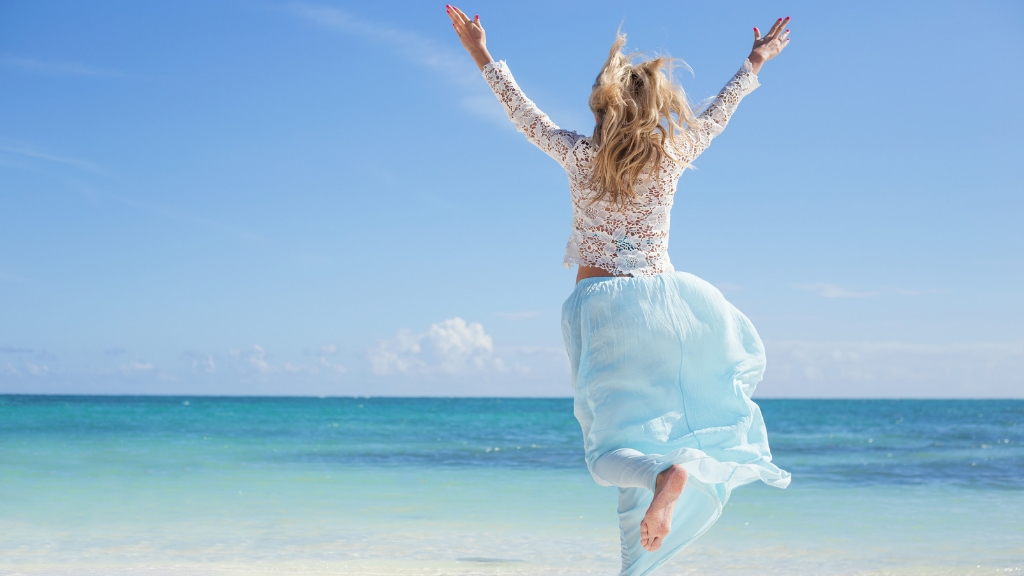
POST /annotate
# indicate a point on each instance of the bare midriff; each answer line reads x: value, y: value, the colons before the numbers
x: 594, y: 272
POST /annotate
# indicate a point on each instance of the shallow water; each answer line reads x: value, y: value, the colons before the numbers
x: 131, y: 485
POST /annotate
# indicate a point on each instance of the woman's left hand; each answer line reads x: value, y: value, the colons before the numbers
x: 471, y: 34
x: 771, y: 45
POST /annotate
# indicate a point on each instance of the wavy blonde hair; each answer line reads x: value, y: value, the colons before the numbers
x: 640, y: 111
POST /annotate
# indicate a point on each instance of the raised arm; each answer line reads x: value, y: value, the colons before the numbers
x: 471, y: 34
x: 528, y: 119
x: 711, y: 122
x: 769, y: 47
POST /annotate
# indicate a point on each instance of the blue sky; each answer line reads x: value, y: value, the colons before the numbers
x: 324, y: 198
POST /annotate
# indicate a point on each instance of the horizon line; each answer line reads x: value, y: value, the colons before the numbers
x: 438, y: 397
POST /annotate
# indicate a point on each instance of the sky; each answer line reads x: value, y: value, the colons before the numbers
x: 324, y: 198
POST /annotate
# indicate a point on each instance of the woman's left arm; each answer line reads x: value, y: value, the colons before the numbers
x: 527, y: 117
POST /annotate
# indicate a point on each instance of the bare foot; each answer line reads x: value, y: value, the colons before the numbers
x: 658, y: 520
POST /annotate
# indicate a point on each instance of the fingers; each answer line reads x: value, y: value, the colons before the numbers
x: 782, y: 24
x: 757, y: 34
x: 459, y: 19
x: 454, y: 16
x: 465, y: 19
x: 784, y: 37
x: 777, y: 28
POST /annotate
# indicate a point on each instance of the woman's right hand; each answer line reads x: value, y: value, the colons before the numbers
x: 770, y: 46
x: 471, y: 34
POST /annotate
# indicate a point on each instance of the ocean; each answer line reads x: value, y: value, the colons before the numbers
x: 431, y: 486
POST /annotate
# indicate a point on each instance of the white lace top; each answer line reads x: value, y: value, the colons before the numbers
x: 622, y: 240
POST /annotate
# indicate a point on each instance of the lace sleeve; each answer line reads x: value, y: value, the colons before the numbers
x: 528, y: 119
x: 713, y: 119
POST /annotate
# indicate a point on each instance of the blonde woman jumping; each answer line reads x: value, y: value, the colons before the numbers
x: 663, y: 366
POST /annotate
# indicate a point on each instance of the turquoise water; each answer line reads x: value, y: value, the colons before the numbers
x: 133, y: 485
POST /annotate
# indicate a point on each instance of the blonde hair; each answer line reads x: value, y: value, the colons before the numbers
x: 640, y: 111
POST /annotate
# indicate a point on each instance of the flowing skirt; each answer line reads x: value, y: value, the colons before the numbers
x: 664, y: 366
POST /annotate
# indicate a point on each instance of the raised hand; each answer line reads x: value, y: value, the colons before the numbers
x: 471, y: 34
x: 771, y: 45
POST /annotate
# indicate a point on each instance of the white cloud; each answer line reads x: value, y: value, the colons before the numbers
x: 327, y: 364
x: 203, y: 362
x: 36, y: 370
x: 832, y: 291
x: 258, y: 359
x: 8, y: 369
x: 328, y: 349
x: 449, y: 347
x: 892, y: 369
x: 135, y: 366
x: 450, y: 63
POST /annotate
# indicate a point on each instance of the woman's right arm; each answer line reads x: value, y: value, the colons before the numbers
x: 768, y: 47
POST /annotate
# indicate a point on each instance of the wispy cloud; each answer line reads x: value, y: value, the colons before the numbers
x: 826, y: 290
x: 25, y: 150
x: 516, y: 315
x: 325, y: 363
x: 55, y: 67
x: 325, y: 351
x: 135, y: 366
x: 11, y: 278
x: 14, y: 350
x: 37, y: 370
x: 22, y: 365
x: 258, y: 359
x: 201, y: 362
x: 451, y: 64
x: 832, y: 291
x: 904, y: 292
x: 894, y: 369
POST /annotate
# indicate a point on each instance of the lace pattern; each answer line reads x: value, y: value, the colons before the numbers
x: 622, y: 240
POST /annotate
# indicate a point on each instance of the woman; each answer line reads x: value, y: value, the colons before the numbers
x: 663, y: 366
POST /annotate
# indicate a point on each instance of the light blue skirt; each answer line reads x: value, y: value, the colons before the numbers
x: 666, y: 366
